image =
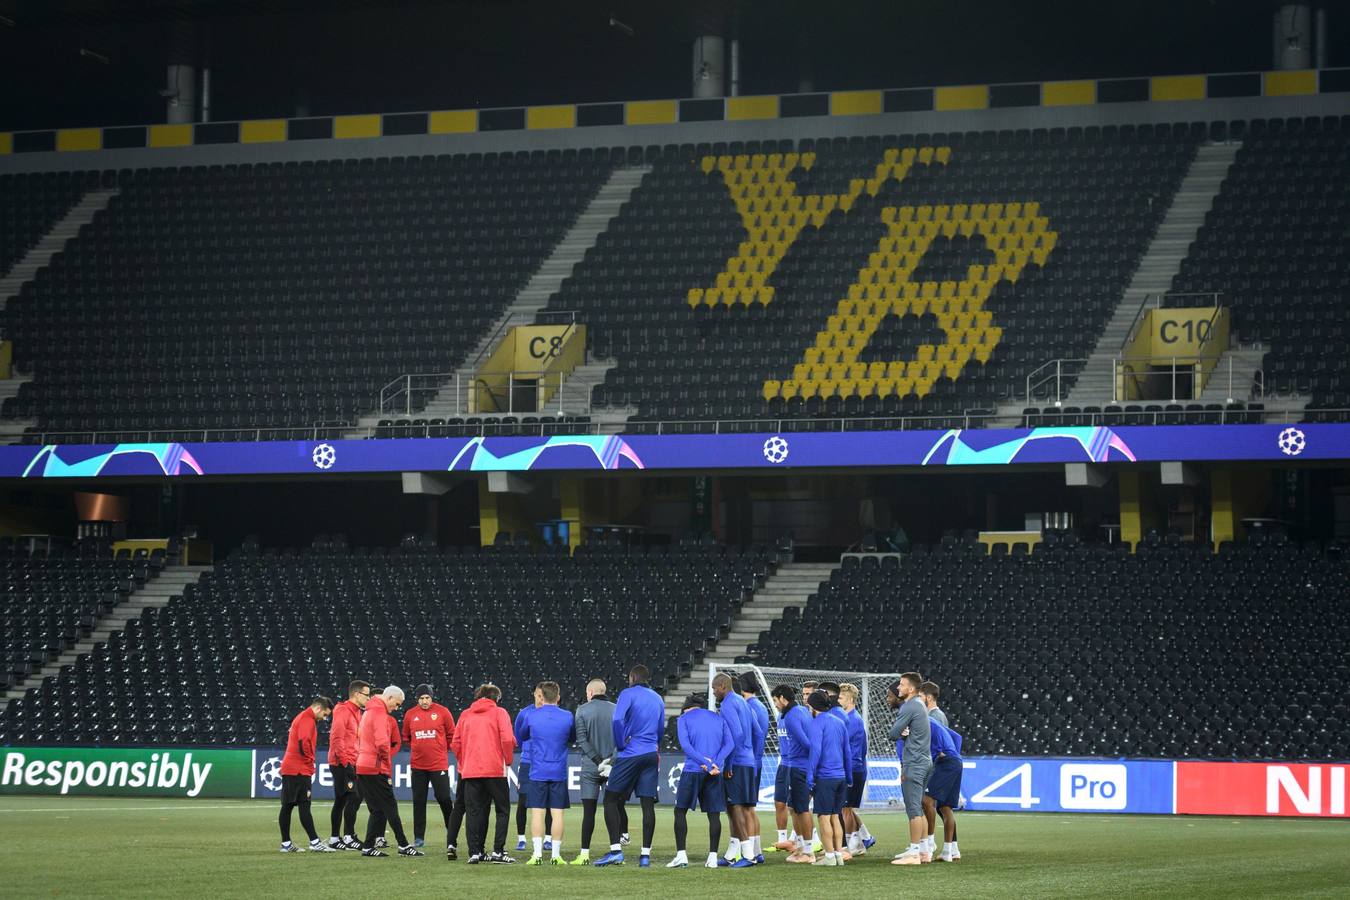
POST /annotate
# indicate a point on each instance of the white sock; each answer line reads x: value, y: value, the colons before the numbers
x: 782, y: 834
x: 803, y: 846
x: 733, y: 848
x: 862, y: 830
x: 585, y: 853
x: 285, y: 843
x: 815, y: 836
x: 520, y: 839
x: 646, y: 851
x: 615, y: 848
x: 951, y: 848
x: 538, y: 846
x: 681, y: 855
x: 757, y: 846
x: 712, y: 858
x: 913, y: 848
x: 557, y: 849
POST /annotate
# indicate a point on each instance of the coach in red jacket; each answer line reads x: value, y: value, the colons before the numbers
x: 342, y: 737
x: 427, y: 729
x: 297, y: 773
x: 484, y: 745
x: 375, y: 771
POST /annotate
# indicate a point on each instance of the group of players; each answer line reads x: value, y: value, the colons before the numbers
x: 822, y: 743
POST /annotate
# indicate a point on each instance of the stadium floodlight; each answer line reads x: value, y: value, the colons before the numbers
x: 883, y: 783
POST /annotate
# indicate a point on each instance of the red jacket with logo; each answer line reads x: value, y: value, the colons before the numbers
x: 300, y: 742
x: 342, y: 735
x: 372, y: 750
x: 483, y: 741
x: 428, y: 732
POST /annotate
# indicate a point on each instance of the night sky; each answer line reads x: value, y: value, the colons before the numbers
x: 351, y: 56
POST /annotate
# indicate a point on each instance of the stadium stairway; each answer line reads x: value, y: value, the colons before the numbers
x: 67, y: 227
x: 1160, y: 264
x: 791, y: 586
x: 156, y: 592
x: 452, y: 398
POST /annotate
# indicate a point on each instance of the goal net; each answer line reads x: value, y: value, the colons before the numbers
x: 883, y: 766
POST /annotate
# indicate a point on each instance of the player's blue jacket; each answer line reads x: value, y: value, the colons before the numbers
x: 732, y: 708
x: 857, y: 740
x: 639, y: 719
x: 794, y: 737
x: 830, y: 757
x: 525, y: 755
x: 705, y: 738
x: 550, y: 730
x: 760, y: 717
x: 946, y: 742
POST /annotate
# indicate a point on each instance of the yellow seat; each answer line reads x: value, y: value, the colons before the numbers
x: 801, y: 371
x: 789, y: 389
x: 847, y: 388
x: 771, y: 389
x: 866, y: 387
x: 827, y: 389
x: 885, y: 387
x: 695, y: 297
x: 808, y: 389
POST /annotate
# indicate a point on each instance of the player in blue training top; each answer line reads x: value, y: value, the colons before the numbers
x: 857, y: 838
x: 759, y: 716
x: 740, y: 771
x: 639, y: 719
x: 789, y: 789
x: 829, y: 770
x: 550, y: 731
x: 943, y: 793
x: 523, y: 772
x: 705, y: 738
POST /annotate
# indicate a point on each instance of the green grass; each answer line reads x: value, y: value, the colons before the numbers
x: 86, y: 847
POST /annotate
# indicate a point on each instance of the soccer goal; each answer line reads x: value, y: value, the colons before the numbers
x: 883, y: 779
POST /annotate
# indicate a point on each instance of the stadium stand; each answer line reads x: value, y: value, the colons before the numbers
x: 281, y: 294
x: 51, y: 601
x: 878, y: 277
x: 951, y: 265
x: 1082, y: 649
x: 1275, y: 246
x: 225, y: 662
x: 31, y: 206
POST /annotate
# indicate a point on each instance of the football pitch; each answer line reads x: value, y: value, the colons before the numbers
x: 96, y: 847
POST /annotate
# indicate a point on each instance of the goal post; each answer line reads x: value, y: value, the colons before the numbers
x: 883, y: 779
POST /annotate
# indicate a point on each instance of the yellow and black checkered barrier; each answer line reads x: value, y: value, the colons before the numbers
x: 1160, y: 89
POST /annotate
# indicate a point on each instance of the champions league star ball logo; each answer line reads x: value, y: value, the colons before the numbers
x: 776, y: 450
x: 324, y: 456
x: 1292, y: 442
x: 269, y: 773
x: 673, y: 776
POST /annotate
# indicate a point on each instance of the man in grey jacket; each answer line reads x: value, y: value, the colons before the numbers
x: 912, y: 735
x: 595, y: 741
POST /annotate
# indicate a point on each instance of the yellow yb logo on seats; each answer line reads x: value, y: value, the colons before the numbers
x: 774, y: 216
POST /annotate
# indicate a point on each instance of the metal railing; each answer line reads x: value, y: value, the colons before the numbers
x: 1055, y: 372
x: 400, y: 396
x: 401, y: 390
x: 1169, y: 373
x: 490, y: 426
x: 537, y: 381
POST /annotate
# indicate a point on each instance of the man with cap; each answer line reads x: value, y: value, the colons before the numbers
x: 706, y: 739
x: 913, y: 738
x: 829, y: 771
x: 427, y: 729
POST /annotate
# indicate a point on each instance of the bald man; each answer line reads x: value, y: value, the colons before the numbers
x: 595, y: 741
